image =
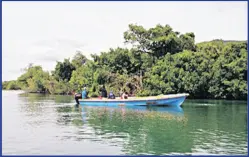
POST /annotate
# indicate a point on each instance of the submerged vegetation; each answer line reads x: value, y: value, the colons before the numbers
x: 161, y: 61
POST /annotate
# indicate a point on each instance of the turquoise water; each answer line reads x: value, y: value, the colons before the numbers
x: 52, y: 125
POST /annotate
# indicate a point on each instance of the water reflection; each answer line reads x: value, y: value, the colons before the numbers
x: 42, y: 98
x: 138, y: 130
x: 166, y: 130
x: 199, y: 127
x: 147, y: 131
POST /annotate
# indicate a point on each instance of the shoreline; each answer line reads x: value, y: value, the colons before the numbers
x: 188, y: 98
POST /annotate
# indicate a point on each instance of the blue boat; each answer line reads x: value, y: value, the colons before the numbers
x: 161, y: 100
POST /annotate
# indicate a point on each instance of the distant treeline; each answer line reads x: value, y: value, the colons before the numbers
x: 161, y: 61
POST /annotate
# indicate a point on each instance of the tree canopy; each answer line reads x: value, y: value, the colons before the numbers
x: 160, y: 61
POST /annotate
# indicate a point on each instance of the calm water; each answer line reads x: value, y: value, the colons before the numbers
x: 38, y: 124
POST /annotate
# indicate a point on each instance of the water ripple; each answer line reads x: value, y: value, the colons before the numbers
x: 53, y: 125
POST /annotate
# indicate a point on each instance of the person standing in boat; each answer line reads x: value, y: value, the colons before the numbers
x: 111, y: 95
x: 77, y: 96
x: 103, y: 92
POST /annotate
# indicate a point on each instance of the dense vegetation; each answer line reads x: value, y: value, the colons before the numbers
x: 161, y: 61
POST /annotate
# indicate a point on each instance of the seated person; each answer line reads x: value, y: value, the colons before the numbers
x: 84, y: 93
x: 124, y: 95
x: 103, y: 92
x: 111, y: 95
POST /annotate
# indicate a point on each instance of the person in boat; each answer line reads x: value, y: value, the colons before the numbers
x: 103, y: 92
x: 84, y: 93
x: 111, y: 95
x: 124, y: 95
x: 77, y: 96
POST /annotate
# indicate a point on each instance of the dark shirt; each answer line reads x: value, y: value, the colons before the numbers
x: 103, y: 92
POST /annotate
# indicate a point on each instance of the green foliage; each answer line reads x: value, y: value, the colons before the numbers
x: 79, y: 59
x: 215, y: 71
x: 5, y: 84
x: 33, y: 80
x: 159, y: 40
x: 161, y: 61
x: 11, y: 85
x: 63, y: 70
x: 58, y: 87
x: 82, y: 76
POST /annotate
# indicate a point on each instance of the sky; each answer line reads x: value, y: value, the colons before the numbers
x: 45, y: 32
